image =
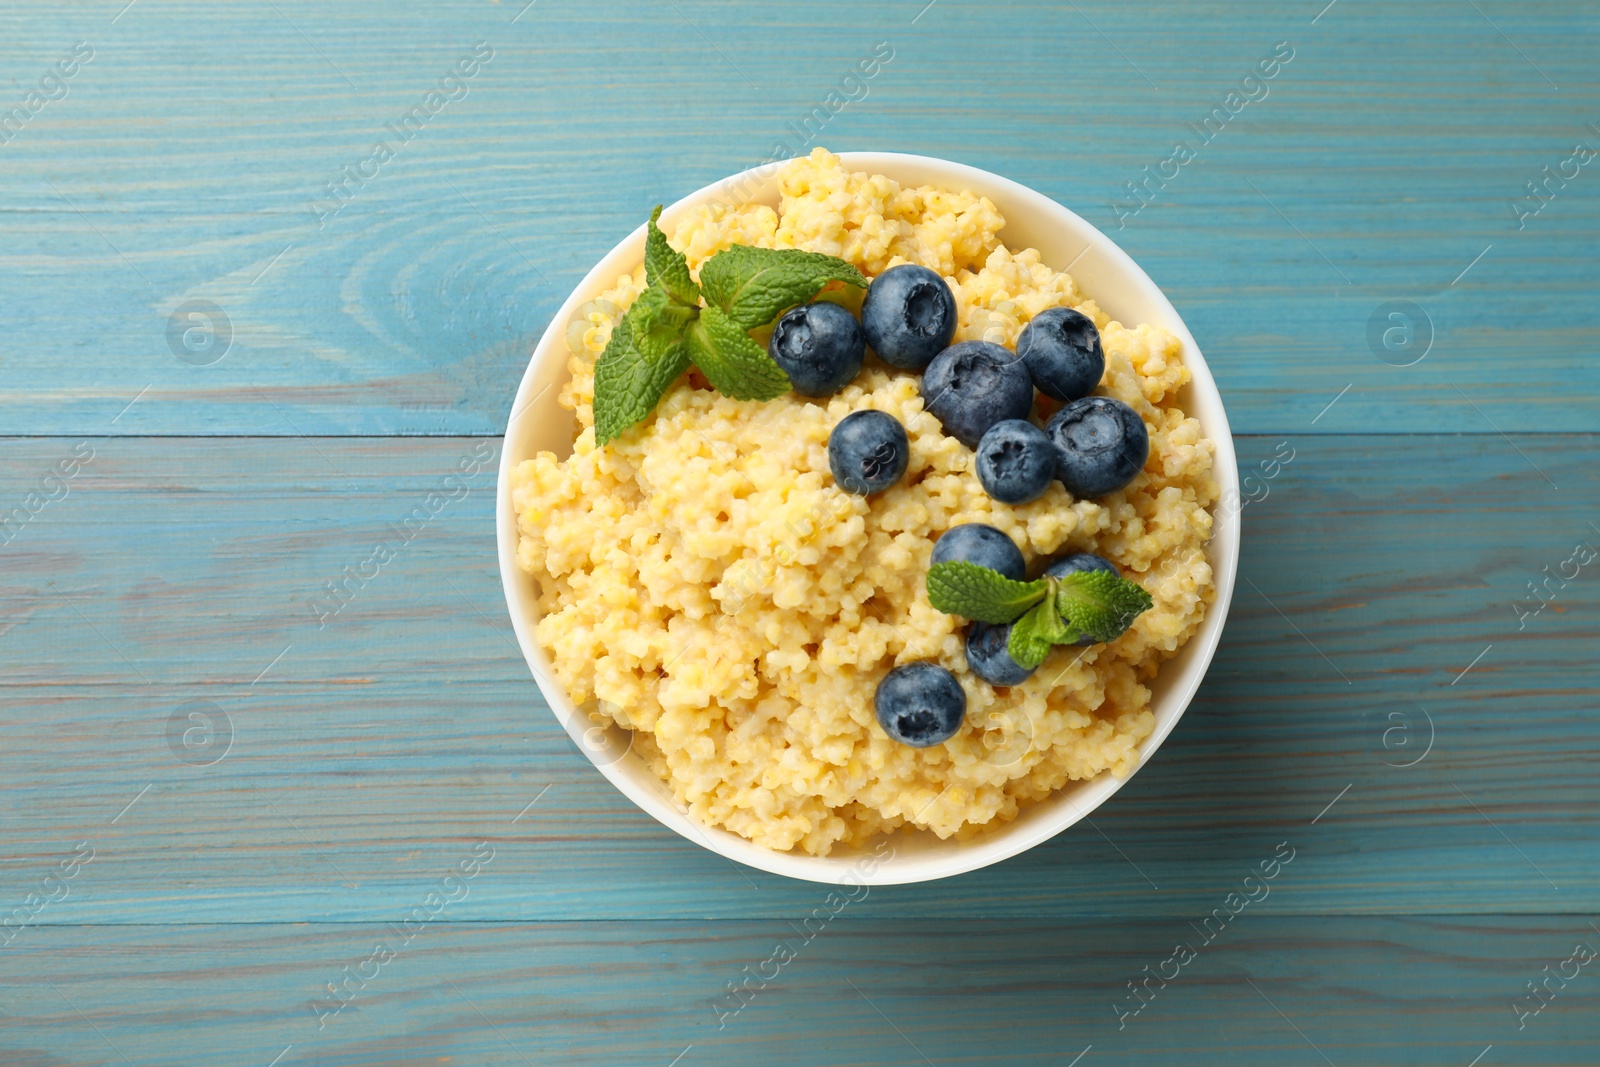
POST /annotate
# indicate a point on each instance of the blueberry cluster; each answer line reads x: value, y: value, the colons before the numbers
x: 982, y: 394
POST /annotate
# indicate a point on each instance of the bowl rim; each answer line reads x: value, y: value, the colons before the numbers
x: 941, y: 859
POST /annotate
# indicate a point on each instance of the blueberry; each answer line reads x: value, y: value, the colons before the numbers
x: 973, y: 385
x: 974, y: 542
x: 868, y: 451
x: 988, y: 658
x: 920, y: 704
x: 1081, y: 561
x: 1101, y: 444
x: 1016, y: 461
x: 909, y: 315
x: 820, y: 346
x: 1061, y: 349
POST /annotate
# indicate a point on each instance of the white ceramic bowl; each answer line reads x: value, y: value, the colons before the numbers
x: 1106, y: 274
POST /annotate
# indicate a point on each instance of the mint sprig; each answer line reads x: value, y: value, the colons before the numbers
x: 1045, y: 612
x: 666, y: 330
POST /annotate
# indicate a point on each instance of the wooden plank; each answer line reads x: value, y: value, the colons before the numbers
x: 1384, y: 161
x: 367, y: 755
x: 1267, y: 990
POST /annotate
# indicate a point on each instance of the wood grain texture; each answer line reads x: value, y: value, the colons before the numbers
x: 378, y: 748
x: 1270, y: 990
x: 1382, y: 161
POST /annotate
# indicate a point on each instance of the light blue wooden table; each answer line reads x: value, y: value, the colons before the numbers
x: 216, y: 392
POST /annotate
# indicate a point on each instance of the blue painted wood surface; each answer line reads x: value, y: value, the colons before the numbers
x: 1360, y: 991
x: 1386, y: 698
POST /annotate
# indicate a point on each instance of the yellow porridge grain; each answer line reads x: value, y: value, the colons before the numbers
x: 704, y: 582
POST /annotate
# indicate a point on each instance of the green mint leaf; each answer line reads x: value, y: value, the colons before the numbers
x: 731, y: 360
x: 1033, y: 635
x: 751, y: 285
x: 1100, y: 604
x: 627, y: 386
x: 961, y: 588
x: 657, y: 323
x: 664, y: 266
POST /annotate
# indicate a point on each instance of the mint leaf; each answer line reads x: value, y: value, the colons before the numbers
x: 961, y: 588
x: 626, y: 385
x: 1100, y: 604
x: 1033, y: 635
x: 664, y: 266
x: 657, y: 323
x: 731, y: 360
x: 751, y: 285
